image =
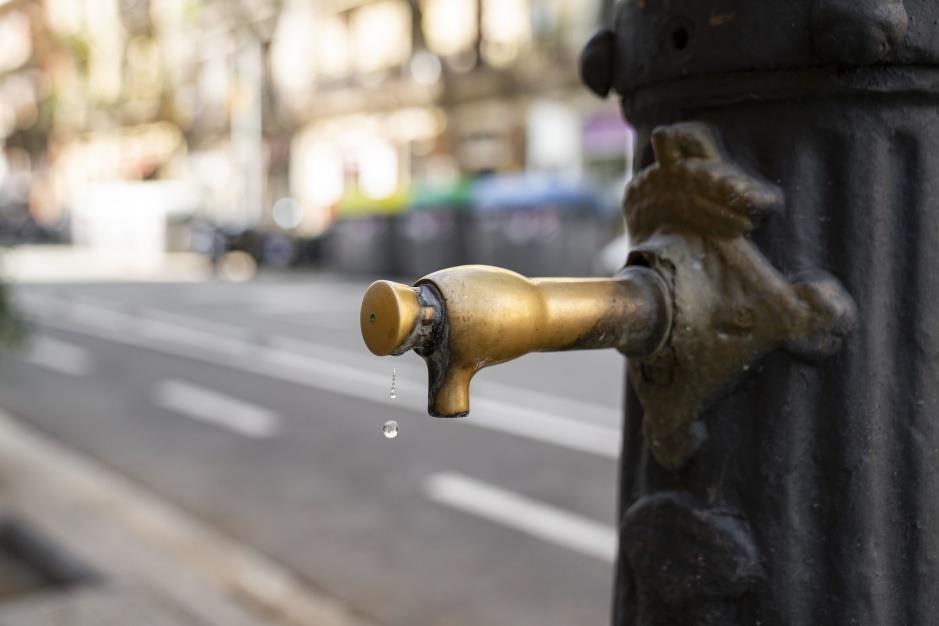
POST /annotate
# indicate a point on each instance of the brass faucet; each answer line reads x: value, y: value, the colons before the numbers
x: 695, y: 306
x: 463, y: 319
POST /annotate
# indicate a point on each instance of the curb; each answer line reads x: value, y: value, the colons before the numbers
x: 140, y: 541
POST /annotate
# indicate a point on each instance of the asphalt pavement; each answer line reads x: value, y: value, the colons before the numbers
x: 256, y: 408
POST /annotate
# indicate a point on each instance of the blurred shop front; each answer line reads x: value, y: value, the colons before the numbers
x: 407, y: 113
x: 302, y: 131
x: 116, y: 205
x: 527, y: 184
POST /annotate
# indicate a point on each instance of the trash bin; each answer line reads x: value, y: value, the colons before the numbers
x: 362, y: 240
x: 431, y: 234
x: 537, y: 225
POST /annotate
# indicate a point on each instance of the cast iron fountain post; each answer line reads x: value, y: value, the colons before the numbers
x: 810, y: 493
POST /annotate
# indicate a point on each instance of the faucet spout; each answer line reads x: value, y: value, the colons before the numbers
x: 463, y: 319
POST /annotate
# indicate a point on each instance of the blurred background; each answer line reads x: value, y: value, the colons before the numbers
x: 382, y: 137
x: 193, y: 196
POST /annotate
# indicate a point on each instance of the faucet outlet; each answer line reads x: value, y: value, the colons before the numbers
x: 463, y: 319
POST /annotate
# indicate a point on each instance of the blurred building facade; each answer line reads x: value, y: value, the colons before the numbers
x: 235, y: 105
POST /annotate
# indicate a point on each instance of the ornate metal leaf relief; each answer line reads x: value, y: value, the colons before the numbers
x: 689, y: 215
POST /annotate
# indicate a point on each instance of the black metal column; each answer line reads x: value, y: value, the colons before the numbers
x: 815, y: 497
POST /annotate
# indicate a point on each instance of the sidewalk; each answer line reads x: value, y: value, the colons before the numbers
x: 155, y: 565
x: 66, y: 263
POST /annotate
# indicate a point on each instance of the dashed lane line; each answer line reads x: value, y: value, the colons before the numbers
x: 531, y: 517
x: 59, y: 356
x: 212, y: 407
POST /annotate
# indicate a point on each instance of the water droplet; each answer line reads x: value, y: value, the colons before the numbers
x: 393, y: 393
x: 390, y: 429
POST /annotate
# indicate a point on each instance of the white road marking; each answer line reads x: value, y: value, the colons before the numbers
x: 545, y: 427
x: 304, y: 306
x: 261, y: 292
x: 323, y: 368
x: 169, y: 332
x: 531, y: 517
x: 206, y: 405
x: 220, y: 328
x: 95, y: 316
x: 58, y: 356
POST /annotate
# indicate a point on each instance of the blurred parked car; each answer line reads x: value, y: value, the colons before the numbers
x: 24, y: 229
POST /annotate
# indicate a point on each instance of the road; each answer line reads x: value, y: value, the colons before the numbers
x: 256, y: 407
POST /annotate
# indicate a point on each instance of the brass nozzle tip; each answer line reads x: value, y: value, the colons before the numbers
x: 390, y: 312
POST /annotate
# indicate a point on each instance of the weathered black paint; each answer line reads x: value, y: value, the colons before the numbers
x: 815, y: 499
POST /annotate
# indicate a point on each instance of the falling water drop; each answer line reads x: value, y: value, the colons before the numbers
x: 390, y: 428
